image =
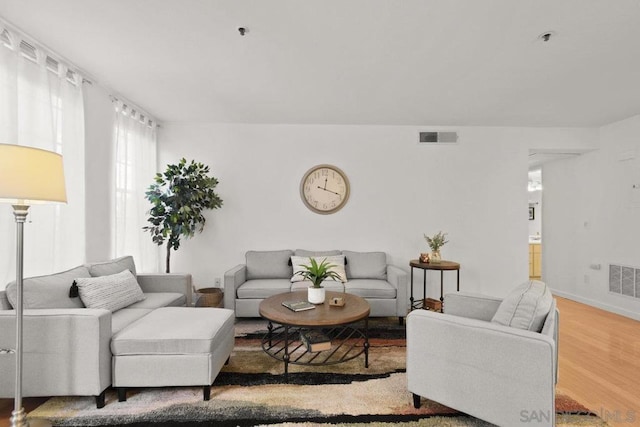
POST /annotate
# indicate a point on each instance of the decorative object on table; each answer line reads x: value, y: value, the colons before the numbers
x: 317, y: 273
x: 27, y: 176
x: 324, y: 189
x: 179, y: 198
x: 209, y: 297
x: 424, y: 257
x: 298, y: 305
x: 435, y: 243
x: 337, y: 302
x: 432, y: 304
x: 315, y: 340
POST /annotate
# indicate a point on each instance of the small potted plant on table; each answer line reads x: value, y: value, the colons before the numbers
x: 435, y: 243
x: 316, y: 273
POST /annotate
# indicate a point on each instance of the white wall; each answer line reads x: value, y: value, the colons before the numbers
x: 475, y: 190
x: 592, y: 216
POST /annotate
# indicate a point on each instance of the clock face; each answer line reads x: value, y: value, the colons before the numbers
x: 324, y: 189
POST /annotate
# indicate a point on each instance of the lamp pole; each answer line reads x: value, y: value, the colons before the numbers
x: 19, y: 416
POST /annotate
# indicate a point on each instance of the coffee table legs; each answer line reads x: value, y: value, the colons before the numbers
x: 366, y: 342
x: 285, y: 358
x: 270, y: 332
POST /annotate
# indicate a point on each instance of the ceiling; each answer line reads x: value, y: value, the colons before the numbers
x: 390, y: 62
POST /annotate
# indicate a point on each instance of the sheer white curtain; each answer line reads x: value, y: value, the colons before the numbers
x: 41, y: 105
x: 135, y: 167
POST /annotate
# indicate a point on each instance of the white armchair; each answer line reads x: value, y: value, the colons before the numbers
x: 497, y: 373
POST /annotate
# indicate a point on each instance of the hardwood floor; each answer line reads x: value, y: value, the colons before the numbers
x: 600, y: 361
x: 599, y: 364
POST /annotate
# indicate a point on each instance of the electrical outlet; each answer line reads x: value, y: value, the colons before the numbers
x: 218, y: 282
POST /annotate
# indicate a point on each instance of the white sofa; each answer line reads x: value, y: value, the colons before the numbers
x: 467, y: 360
x: 267, y: 273
x: 66, y: 346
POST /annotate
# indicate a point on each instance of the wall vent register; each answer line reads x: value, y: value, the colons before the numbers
x: 429, y: 138
x: 624, y: 280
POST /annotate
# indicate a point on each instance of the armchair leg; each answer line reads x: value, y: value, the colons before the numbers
x: 206, y: 392
x: 400, y: 320
x: 416, y: 401
x: 122, y: 394
x: 100, y: 399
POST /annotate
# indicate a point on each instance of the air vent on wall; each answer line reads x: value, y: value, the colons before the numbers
x: 429, y: 138
x: 624, y: 280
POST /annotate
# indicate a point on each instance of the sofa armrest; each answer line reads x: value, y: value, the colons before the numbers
x: 508, y: 369
x: 473, y: 306
x: 232, y: 280
x: 65, y: 352
x: 399, y: 279
x: 167, y: 282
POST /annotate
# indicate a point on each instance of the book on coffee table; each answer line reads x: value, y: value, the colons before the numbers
x: 315, y: 340
x: 298, y: 305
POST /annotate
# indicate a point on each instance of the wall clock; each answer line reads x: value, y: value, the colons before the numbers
x: 324, y: 189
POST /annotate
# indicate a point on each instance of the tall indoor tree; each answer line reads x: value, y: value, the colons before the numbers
x: 179, y: 197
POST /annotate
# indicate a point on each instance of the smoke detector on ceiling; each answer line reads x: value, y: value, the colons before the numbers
x: 546, y: 36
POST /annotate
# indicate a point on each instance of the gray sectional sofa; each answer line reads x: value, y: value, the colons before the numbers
x: 66, y: 346
x: 267, y: 273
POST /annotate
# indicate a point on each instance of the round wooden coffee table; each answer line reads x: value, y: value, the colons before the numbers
x: 340, y: 324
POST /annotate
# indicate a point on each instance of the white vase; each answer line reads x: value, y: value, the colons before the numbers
x: 315, y: 295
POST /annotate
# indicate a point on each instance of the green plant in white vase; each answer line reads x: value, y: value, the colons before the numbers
x: 435, y: 243
x: 316, y: 273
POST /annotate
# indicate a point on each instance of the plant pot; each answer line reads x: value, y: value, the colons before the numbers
x: 315, y: 295
x: 435, y: 257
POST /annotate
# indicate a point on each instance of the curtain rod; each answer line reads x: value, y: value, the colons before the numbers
x: 86, y: 77
x: 116, y: 98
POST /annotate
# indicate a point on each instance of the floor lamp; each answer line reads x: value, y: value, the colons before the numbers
x: 27, y: 176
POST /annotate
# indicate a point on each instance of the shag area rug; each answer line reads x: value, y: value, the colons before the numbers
x: 251, y: 390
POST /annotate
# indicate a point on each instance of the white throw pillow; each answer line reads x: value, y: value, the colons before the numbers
x: 526, y: 307
x: 110, y: 292
x: 337, y: 260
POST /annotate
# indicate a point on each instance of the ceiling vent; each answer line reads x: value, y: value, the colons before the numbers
x: 432, y: 138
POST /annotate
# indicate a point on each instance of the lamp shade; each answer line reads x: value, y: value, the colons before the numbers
x: 29, y: 175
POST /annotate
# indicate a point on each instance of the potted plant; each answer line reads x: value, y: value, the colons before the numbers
x: 179, y: 198
x: 435, y: 243
x: 317, y: 273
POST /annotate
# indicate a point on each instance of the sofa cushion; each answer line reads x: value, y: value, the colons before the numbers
x: 111, y: 292
x: 51, y: 291
x: 304, y: 252
x: 175, y: 330
x: 329, y: 285
x: 268, y: 264
x: 160, y: 299
x: 526, y: 307
x: 263, y: 288
x: 366, y: 265
x: 370, y: 288
x: 126, y: 316
x: 336, y: 260
x: 4, y: 301
x: 114, y: 266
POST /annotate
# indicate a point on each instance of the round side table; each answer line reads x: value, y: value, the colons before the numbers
x: 441, y: 266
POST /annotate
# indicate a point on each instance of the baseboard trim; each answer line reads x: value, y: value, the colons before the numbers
x: 597, y: 304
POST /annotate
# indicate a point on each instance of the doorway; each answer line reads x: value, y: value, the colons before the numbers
x: 534, y: 189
